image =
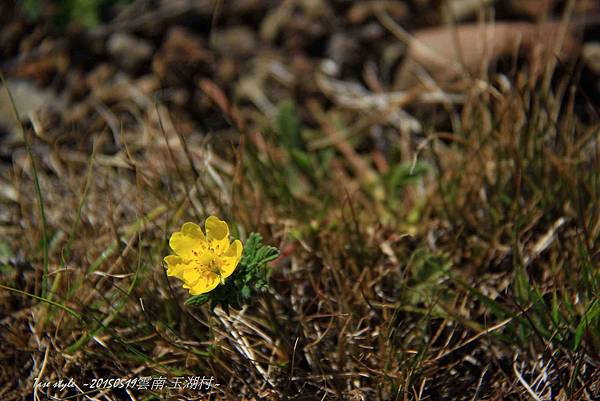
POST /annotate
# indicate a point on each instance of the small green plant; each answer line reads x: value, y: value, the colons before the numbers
x: 87, y: 13
x: 250, y: 279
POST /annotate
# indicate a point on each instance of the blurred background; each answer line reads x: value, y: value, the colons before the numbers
x: 77, y: 56
x: 429, y: 170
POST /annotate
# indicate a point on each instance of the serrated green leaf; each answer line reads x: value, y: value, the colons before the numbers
x: 246, y: 292
x: 247, y: 281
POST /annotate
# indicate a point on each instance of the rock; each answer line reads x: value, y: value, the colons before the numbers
x: 96, y: 78
x: 361, y: 11
x: 591, y: 56
x: 316, y: 9
x: 342, y: 48
x: 128, y: 51
x: 237, y: 42
x: 371, y: 33
x: 180, y: 57
x: 28, y: 99
x: 451, y: 52
x: 246, y: 6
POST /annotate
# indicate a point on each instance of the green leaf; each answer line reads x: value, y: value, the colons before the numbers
x: 287, y: 125
x: 246, y: 292
x: 5, y: 252
x: 588, y: 319
x: 248, y: 280
x: 403, y: 175
x: 197, y: 299
x: 31, y: 9
x: 303, y: 161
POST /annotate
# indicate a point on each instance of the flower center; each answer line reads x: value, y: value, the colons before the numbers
x: 207, y: 263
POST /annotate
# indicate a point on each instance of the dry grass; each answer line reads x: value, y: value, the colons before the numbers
x: 457, y: 264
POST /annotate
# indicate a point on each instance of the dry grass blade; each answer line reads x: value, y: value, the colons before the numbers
x: 432, y: 188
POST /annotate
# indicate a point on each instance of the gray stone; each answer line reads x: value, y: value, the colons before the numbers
x: 28, y: 99
x: 128, y: 51
x: 235, y: 42
x: 591, y: 56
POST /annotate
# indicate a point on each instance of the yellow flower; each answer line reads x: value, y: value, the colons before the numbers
x: 202, y: 262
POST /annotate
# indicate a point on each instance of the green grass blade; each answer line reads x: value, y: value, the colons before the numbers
x: 48, y: 301
x: 38, y: 190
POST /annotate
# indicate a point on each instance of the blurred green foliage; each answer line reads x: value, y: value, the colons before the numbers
x: 63, y: 13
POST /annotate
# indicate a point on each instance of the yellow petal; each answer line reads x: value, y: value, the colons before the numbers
x: 230, y: 258
x: 189, y: 242
x: 176, y: 265
x: 191, y: 277
x: 207, y: 283
x: 217, y: 234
